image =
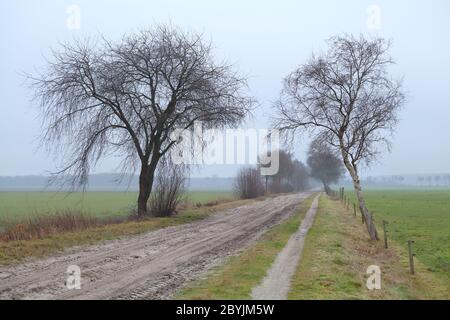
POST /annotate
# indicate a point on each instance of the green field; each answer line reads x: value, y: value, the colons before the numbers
x: 419, y: 215
x: 16, y: 205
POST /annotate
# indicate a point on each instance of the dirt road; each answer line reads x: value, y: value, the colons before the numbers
x: 149, y: 266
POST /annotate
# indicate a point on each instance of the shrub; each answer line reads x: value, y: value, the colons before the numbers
x: 170, y: 186
x: 248, y: 184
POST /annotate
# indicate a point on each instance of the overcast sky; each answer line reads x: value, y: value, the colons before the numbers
x: 264, y: 39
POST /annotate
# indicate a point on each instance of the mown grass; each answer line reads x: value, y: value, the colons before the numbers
x: 15, y: 206
x: 239, y: 274
x: 419, y: 215
x: 337, y: 254
x: 15, y: 251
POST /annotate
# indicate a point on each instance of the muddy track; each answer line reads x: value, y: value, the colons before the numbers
x: 149, y: 266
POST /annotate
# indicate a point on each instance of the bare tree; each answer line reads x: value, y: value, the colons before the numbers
x: 280, y: 182
x: 291, y: 176
x: 324, y: 164
x: 348, y: 98
x: 129, y: 96
x: 300, y: 176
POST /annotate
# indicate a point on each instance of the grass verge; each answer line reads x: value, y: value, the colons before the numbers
x: 419, y: 215
x: 236, y: 278
x: 16, y: 251
x: 337, y: 254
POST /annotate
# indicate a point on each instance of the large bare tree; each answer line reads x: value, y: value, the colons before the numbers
x: 347, y: 98
x: 128, y: 96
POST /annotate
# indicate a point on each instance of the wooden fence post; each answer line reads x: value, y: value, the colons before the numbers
x: 385, y: 223
x: 411, y: 256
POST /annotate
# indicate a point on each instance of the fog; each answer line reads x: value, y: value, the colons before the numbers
x: 265, y: 40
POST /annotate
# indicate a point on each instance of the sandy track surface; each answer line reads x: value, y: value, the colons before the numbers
x: 149, y: 266
x: 275, y: 286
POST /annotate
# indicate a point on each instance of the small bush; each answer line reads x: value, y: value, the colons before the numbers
x: 169, y: 190
x: 248, y: 184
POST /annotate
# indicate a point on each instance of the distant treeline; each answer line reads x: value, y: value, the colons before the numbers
x: 105, y: 182
x: 118, y: 182
x: 423, y: 180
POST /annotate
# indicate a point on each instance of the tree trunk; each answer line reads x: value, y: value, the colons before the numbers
x: 267, y: 178
x: 326, y: 188
x: 145, y: 188
x: 146, y: 178
x: 363, y: 208
x: 361, y: 201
